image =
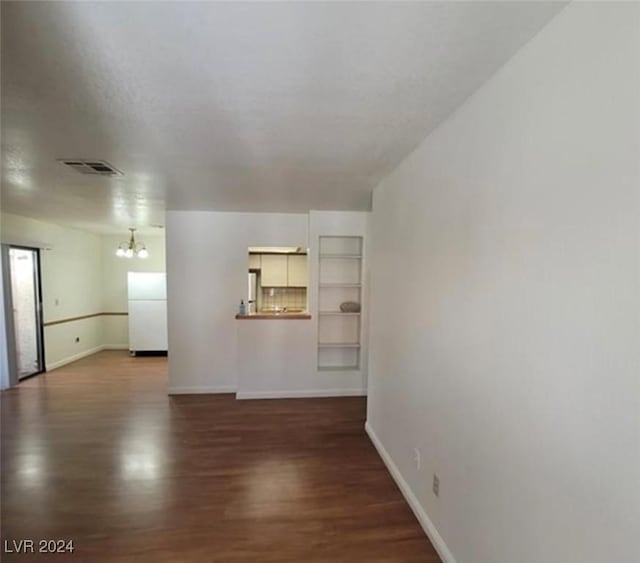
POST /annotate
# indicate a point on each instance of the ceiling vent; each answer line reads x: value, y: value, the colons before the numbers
x: 93, y: 167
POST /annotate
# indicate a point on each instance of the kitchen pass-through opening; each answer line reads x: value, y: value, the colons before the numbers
x: 278, y: 279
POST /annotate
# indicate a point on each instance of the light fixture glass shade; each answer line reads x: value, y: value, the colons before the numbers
x: 131, y: 248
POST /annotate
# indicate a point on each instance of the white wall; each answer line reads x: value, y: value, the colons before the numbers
x: 505, y: 337
x: 280, y: 358
x: 207, y: 261
x: 207, y: 265
x: 276, y: 358
x: 71, y: 284
x: 114, y: 283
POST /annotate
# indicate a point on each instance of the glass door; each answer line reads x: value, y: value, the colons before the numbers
x: 27, y: 306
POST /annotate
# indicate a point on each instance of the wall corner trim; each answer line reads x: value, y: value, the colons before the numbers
x: 412, y: 501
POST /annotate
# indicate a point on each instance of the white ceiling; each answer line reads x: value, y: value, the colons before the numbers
x: 245, y: 106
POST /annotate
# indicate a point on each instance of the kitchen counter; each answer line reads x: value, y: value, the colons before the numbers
x: 274, y: 357
x: 276, y: 360
x: 274, y: 316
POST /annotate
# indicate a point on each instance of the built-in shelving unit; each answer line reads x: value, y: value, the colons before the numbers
x: 340, y: 280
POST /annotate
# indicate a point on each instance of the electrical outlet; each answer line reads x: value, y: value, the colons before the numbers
x: 77, y: 339
x: 417, y: 458
x: 436, y: 485
x: 56, y: 301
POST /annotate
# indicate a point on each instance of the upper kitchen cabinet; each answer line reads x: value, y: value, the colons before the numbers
x: 254, y: 261
x: 297, y: 275
x: 274, y: 270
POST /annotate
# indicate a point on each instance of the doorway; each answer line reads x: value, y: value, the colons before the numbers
x: 26, y: 298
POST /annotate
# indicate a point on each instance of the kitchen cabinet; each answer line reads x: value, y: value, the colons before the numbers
x: 297, y: 271
x: 254, y: 261
x: 274, y: 270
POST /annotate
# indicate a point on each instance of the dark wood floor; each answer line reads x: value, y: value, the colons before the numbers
x: 98, y: 453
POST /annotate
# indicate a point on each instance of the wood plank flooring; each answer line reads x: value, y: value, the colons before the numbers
x: 98, y: 453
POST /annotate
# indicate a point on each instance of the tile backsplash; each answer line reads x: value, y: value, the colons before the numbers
x: 280, y: 297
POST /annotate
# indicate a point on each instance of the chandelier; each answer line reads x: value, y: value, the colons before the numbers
x: 132, y: 248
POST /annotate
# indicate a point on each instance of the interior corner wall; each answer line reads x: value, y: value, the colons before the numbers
x: 114, y: 284
x: 505, y: 328
x: 207, y: 260
x: 71, y: 273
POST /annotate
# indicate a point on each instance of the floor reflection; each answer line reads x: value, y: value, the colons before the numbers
x: 272, y: 487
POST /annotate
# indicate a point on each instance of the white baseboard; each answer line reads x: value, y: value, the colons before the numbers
x: 74, y: 358
x: 201, y: 389
x: 412, y: 501
x: 115, y: 347
x: 300, y: 394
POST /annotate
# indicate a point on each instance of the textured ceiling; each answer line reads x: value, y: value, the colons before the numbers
x: 246, y: 106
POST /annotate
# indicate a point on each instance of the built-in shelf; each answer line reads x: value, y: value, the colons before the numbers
x: 339, y: 314
x: 339, y: 281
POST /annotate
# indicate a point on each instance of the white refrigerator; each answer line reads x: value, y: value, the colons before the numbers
x: 147, y: 294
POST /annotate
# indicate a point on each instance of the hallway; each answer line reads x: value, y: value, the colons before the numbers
x: 98, y: 453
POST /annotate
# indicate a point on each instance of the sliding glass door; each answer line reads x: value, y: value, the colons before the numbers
x: 24, y: 268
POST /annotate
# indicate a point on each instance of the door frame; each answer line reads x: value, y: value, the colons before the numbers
x: 37, y: 275
x: 8, y: 316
